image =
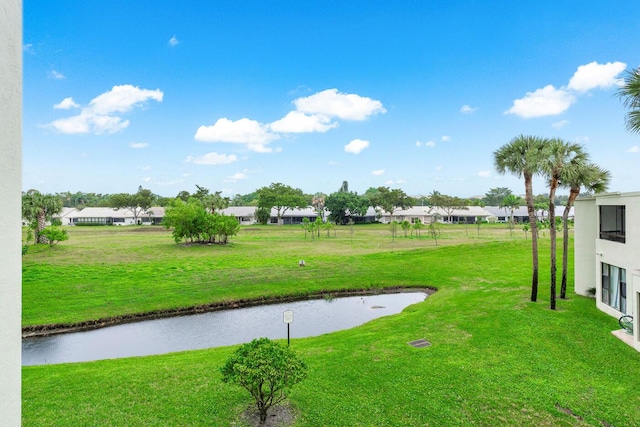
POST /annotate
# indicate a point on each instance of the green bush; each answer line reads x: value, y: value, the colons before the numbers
x: 54, y: 235
x: 267, y: 370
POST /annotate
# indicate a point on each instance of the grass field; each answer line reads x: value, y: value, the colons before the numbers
x: 495, y: 359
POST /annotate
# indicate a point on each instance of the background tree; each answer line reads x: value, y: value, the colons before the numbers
x: 448, y: 204
x: 562, y: 162
x: 630, y: 93
x: 595, y: 180
x: 318, y: 201
x: 263, y: 215
x: 522, y: 157
x: 37, y: 209
x: 494, y: 196
x: 137, y: 203
x: 343, y: 204
x: 267, y: 370
x: 281, y: 197
x: 510, y: 203
x: 390, y: 200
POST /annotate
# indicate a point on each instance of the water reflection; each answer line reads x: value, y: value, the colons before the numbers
x: 219, y: 328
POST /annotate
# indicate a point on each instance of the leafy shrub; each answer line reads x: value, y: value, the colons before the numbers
x: 266, y: 369
x: 54, y: 235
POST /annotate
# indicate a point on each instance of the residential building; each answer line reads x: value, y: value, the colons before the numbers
x: 607, y: 254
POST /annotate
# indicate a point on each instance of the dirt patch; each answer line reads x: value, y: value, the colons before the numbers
x: 281, y: 415
x: 61, y: 328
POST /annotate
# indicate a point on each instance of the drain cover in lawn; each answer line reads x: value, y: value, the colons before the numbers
x: 420, y: 343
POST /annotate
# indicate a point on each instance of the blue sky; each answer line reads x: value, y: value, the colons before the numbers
x: 234, y: 95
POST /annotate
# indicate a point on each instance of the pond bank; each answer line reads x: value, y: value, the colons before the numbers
x: 61, y: 328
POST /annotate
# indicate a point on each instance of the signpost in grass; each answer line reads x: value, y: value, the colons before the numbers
x: 288, y: 319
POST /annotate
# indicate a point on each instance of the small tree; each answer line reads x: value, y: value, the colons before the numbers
x: 418, y: 225
x: 267, y: 370
x: 406, y: 226
x: 53, y: 235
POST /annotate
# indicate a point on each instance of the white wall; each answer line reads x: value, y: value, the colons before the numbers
x: 10, y: 194
x: 585, y: 235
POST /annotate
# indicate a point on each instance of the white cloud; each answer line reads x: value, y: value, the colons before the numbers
x: 123, y: 98
x: 243, y: 131
x: 547, y: 101
x: 333, y: 163
x: 484, y: 174
x: 138, y: 145
x: 98, y: 117
x: 212, y: 159
x: 594, y: 75
x: 560, y: 124
x: 145, y: 168
x: 445, y: 138
x: 378, y: 172
x: 173, y: 41
x: 550, y: 101
x: 299, y: 122
x: 439, y: 168
x: 397, y: 181
x: 332, y: 103
x: 430, y: 144
x: 66, y: 104
x: 56, y: 75
x: 634, y: 149
x: 356, y: 146
x: 28, y: 48
x: 236, y: 177
x: 147, y: 179
x: 467, y: 109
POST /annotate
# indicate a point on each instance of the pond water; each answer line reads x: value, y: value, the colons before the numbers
x: 214, y: 329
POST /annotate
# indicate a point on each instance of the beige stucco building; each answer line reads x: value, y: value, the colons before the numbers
x: 607, y: 254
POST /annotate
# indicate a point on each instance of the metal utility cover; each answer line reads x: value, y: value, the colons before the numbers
x: 420, y: 343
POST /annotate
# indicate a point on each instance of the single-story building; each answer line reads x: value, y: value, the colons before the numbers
x: 427, y: 214
x: 607, y: 255
x: 110, y: 216
x: 521, y: 215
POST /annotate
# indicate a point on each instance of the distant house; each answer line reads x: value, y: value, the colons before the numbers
x: 246, y: 215
x: 65, y: 216
x: 294, y: 216
x: 110, y: 216
x: 521, y: 214
x: 427, y: 214
x: 607, y: 255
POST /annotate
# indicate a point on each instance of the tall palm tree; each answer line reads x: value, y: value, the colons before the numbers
x: 630, y: 92
x: 562, y: 160
x: 522, y: 157
x: 38, y: 208
x: 594, y: 179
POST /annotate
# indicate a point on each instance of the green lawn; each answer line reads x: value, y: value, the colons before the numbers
x: 495, y: 359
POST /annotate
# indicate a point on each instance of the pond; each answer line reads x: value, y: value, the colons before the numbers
x: 214, y: 329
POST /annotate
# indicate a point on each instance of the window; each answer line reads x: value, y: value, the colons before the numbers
x: 614, y: 287
x: 612, y: 223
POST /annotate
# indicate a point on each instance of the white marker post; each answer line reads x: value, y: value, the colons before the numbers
x: 288, y: 319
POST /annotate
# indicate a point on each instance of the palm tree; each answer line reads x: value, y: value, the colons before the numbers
x: 510, y: 203
x: 522, y: 157
x: 630, y: 92
x: 595, y: 180
x: 562, y: 160
x: 38, y: 208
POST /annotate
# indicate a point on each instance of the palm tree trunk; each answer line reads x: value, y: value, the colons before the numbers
x: 552, y: 234
x: 42, y: 223
x: 534, y: 235
x: 565, y: 240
